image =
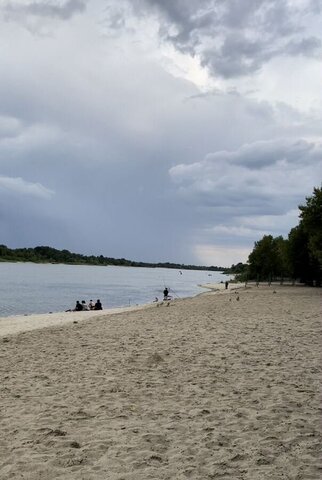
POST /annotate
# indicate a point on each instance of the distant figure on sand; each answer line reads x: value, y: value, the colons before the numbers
x: 84, y: 305
x: 226, y: 285
x: 91, y: 305
x: 98, y: 305
x: 78, y: 306
x: 165, y: 294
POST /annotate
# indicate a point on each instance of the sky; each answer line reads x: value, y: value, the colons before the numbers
x: 158, y: 130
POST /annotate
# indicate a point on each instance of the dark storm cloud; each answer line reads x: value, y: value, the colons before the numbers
x: 235, y: 38
x: 49, y: 9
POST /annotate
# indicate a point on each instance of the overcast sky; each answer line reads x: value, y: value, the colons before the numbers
x: 158, y: 130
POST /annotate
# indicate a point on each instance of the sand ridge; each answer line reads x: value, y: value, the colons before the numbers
x: 205, y: 388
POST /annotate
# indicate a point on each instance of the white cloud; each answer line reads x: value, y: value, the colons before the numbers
x: 22, y: 139
x: 20, y: 187
x: 273, y: 224
x: 220, y: 255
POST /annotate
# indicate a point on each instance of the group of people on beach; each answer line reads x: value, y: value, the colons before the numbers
x: 81, y: 306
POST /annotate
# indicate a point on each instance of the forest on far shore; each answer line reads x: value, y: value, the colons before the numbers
x: 52, y: 255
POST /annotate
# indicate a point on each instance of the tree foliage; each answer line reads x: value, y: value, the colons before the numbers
x: 311, y: 221
x: 268, y: 259
x: 299, y: 256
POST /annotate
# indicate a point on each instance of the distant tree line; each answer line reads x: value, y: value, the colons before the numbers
x: 51, y: 255
x: 298, y: 257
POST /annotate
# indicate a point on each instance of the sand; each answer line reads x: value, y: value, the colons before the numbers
x: 225, y: 385
x: 25, y: 323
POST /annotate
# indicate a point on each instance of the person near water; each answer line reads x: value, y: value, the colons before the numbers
x: 98, y: 305
x: 78, y: 306
x: 84, y: 305
x: 165, y: 294
x: 91, y: 305
x: 226, y: 285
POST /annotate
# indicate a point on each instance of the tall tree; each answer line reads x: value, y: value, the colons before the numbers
x: 282, y: 266
x: 262, y: 261
x: 301, y: 265
x: 311, y: 221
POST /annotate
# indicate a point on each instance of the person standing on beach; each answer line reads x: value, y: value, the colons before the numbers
x: 165, y: 293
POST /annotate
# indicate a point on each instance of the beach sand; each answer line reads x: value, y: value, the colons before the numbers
x: 225, y: 385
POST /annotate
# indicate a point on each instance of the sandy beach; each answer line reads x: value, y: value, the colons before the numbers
x: 225, y: 385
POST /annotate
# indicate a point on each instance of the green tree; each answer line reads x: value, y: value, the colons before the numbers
x: 281, y: 266
x: 269, y: 259
x: 311, y: 222
x: 301, y: 264
x: 261, y: 260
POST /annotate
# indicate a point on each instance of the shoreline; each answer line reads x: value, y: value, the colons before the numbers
x: 14, y: 324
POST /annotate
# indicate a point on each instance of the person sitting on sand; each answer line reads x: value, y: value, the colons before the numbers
x: 78, y: 306
x: 91, y: 305
x: 98, y: 305
x: 84, y: 305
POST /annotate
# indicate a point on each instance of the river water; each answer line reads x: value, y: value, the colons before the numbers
x: 27, y: 288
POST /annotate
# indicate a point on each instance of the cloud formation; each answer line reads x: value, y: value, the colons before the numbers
x: 253, y: 178
x: 177, y: 131
x: 39, y: 17
x: 234, y: 38
x: 18, y: 186
x: 251, y: 191
x: 62, y: 10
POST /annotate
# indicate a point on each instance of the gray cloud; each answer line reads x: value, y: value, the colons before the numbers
x: 241, y: 195
x: 9, y: 127
x: 235, y: 38
x: 261, y: 154
x: 266, y: 177
x: 15, y: 11
x: 310, y: 46
x: 315, y: 6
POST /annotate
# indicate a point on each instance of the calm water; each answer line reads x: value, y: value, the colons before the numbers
x: 27, y: 288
